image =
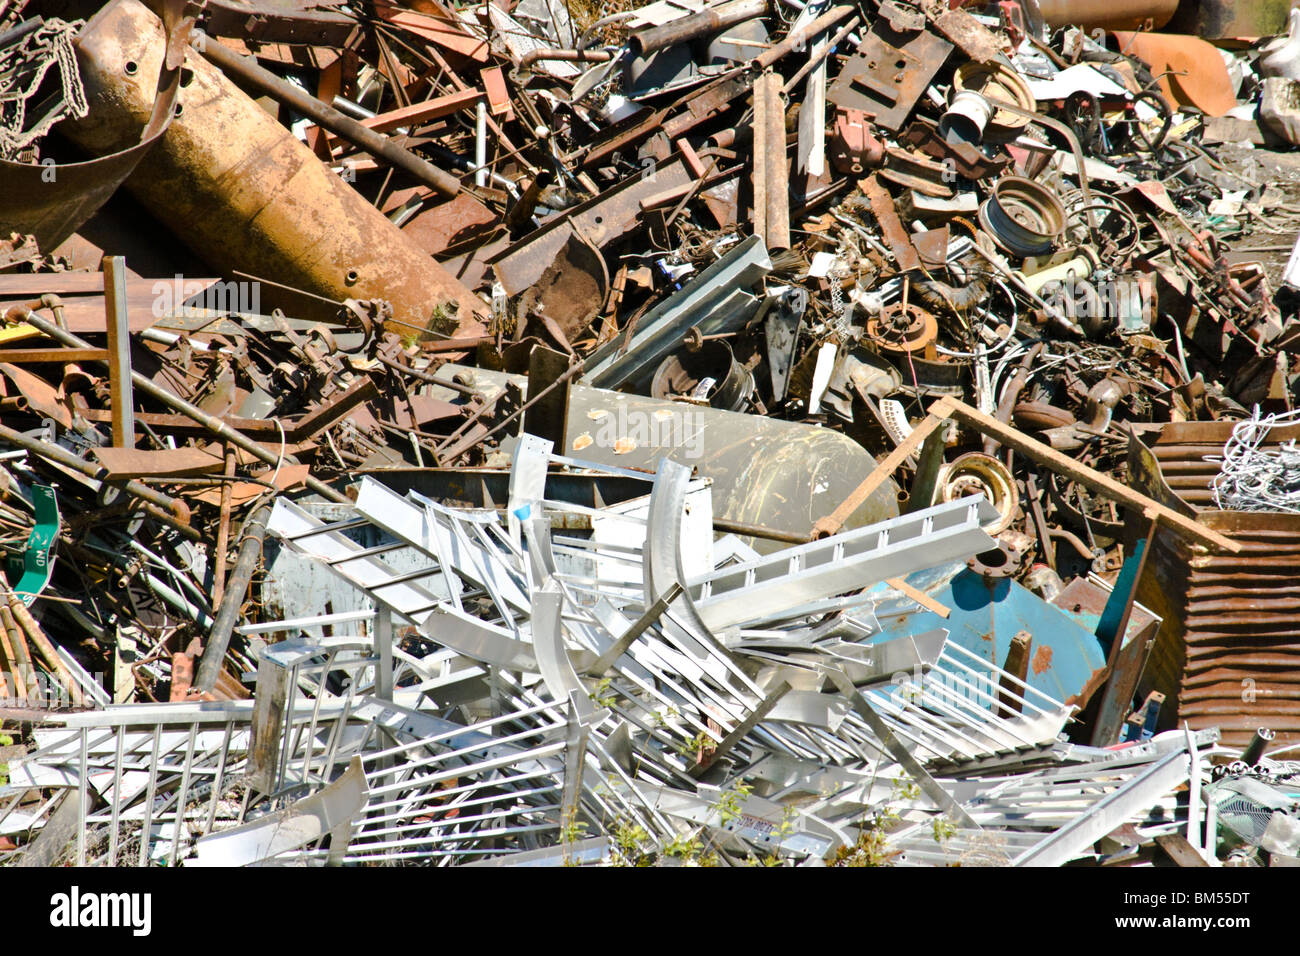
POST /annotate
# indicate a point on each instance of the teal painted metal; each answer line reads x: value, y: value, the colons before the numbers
x: 985, y: 615
x: 33, y: 568
x: 1112, y: 617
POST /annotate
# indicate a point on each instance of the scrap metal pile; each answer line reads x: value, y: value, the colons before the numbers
x: 756, y: 432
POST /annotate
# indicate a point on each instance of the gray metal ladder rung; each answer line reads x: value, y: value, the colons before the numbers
x: 405, y: 578
x: 328, y: 528
x: 367, y: 553
x: 410, y: 612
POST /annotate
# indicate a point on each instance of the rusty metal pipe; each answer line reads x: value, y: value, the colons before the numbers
x: 214, y: 649
x: 691, y: 27
x: 21, y: 659
x: 242, y: 192
x: 801, y: 38
x: 1255, y: 751
x: 568, y: 56
x: 55, y: 453
x: 58, y: 670
x: 815, y: 60
x: 326, y: 116
x: 746, y: 529
x: 150, y: 388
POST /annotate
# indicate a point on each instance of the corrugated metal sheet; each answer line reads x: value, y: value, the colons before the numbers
x: 1229, y: 651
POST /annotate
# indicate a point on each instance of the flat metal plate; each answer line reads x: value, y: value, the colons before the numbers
x: 888, y: 74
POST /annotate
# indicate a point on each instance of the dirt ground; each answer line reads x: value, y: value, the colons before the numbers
x: 1270, y: 216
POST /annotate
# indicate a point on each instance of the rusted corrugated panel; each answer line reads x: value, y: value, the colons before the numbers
x: 1229, y: 650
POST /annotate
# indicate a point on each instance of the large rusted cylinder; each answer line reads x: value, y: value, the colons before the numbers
x: 1107, y: 14
x: 239, y: 189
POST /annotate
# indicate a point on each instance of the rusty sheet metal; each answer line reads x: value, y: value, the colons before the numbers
x: 36, y: 395
x: 241, y: 191
x: 1189, y: 70
x: 123, y: 463
x: 1228, y: 654
x: 450, y: 223
x: 600, y: 221
x: 975, y: 39
x: 888, y: 74
x: 52, y: 201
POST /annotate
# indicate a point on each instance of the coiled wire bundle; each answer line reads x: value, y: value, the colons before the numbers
x: 1253, y: 479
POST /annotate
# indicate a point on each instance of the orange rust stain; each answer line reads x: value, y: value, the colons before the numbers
x: 1042, y: 659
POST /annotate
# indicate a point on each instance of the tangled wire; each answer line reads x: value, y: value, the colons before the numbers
x: 1252, y: 479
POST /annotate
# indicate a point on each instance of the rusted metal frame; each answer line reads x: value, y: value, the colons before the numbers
x: 250, y: 550
x: 38, y: 356
x: 215, y: 425
x: 331, y: 119
x: 117, y: 325
x: 177, y: 509
x: 1090, y: 478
